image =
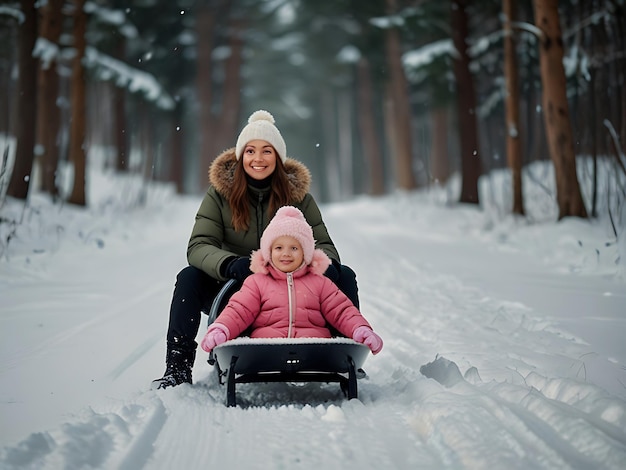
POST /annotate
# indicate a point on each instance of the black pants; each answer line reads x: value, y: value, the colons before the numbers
x: 195, y: 290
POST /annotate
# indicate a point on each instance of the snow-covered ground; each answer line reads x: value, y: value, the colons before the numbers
x: 504, y: 342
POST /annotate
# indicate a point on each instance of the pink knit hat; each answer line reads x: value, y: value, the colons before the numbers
x: 291, y: 222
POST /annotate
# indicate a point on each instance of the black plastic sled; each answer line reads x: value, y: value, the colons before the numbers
x: 246, y: 360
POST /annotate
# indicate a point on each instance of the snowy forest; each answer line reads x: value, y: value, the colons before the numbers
x: 468, y: 159
x: 374, y: 96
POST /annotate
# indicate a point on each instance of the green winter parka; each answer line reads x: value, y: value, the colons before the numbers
x: 213, y: 238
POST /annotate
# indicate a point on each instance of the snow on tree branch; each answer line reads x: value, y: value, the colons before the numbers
x: 113, y: 17
x: 426, y: 54
x: 46, y: 51
x: 14, y: 12
x: 528, y: 27
x: 125, y: 76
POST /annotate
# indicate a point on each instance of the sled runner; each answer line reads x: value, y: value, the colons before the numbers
x: 247, y: 360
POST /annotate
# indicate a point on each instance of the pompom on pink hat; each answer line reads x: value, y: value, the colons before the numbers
x: 289, y: 221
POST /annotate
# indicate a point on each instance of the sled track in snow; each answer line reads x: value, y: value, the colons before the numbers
x: 422, y: 425
x: 436, y: 397
x: 541, y: 432
x: 93, y: 321
x: 424, y: 319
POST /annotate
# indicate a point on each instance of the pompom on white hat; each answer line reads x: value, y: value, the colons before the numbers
x: 261, y: 126
x: 289, y: 221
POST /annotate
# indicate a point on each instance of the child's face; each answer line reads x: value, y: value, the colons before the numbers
x: 287, y: 254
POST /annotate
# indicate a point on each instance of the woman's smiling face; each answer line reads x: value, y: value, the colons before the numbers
x: 259, y: 159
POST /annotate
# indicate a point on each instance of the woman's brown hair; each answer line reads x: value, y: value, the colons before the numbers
x: 239, y: 198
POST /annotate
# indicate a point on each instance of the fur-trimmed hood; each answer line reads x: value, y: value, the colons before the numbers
x: 222, y: 172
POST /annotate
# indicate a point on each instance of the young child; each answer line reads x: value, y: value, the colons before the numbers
x: 288, y: 296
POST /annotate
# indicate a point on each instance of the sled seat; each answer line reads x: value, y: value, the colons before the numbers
x: 253, y: 360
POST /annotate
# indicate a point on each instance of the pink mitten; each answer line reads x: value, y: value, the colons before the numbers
x: 365, y: 335
x: 216, y: 334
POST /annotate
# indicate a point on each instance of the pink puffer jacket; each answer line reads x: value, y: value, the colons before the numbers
x: 293, y: 305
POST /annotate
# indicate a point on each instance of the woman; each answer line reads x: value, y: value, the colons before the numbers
x: 247, y: 185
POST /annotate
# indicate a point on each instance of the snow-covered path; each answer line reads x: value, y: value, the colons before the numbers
x: 492, y: 358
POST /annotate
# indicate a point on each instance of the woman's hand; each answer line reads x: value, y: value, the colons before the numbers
x: 239, y: 268
x: 332, y: 272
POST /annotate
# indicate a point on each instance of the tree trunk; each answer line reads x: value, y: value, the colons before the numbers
x: 49, y: 115
x: 471, y: 167
x: 368, y: 129
x: 330, y: 145
x: 228, y: 123
x: 439, y: 164
x: 512, y: 99
x: 120, y: 126
x: 77, y: 124
x: 8, y: 39
x: 593, y: 141
x: 618, y: 46
x: 145, y: 143
x: 556, y: 110
x: 178, y: 154
x: 26, y: 104
x: 344, y: 142
x: 592, y: 126
x: 400, y: 124
x: 205, y: 32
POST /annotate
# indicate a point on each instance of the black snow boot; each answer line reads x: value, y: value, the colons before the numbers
x: 179, y: 363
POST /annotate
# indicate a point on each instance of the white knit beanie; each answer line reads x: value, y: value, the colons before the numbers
x: 261, y: 126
